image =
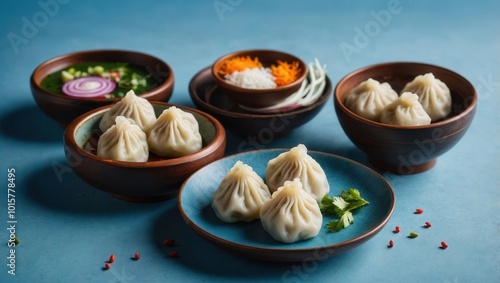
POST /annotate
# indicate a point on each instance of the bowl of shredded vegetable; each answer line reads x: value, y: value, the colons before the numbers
x: 70, y: 85
x: 259, y: 78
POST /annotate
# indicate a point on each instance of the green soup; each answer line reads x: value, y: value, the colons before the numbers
x: 127, y: 77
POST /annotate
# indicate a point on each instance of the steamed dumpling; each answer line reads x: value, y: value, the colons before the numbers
x: 175, y: 133
x: 433, y: 94
x: 369, y: 98
x: 240, y: 195
x: 296, y: 163
x: 405, y: 111
x: 131, y: 106
x: 124, y: 141
x: 291, y: 214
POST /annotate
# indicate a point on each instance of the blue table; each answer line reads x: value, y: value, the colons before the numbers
x: 68, y: 229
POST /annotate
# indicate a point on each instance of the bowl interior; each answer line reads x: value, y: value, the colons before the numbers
x: 87, y: 134
x: 267, y: 58
x: 159, y: 70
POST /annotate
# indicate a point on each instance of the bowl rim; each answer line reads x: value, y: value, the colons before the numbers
x: 70, y: 142
x: 239, y: 115
x: 169, y: 81
x: 470, y: 107
x: 294, y: 84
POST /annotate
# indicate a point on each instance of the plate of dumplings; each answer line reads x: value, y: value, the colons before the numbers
x: 264, y: 204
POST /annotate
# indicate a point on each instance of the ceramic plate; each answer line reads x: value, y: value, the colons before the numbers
x: 250, y: 239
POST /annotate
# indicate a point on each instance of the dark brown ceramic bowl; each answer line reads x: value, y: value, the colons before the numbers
x: 208, y: 97
x: 155, y: 180
x: 64, y: 109
x: 406, y: 149
x: 259, y: 98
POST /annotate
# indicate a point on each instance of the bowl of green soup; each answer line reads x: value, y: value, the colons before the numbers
x: 70, y: 85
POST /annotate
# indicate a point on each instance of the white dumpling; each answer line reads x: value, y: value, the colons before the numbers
x: 124, y: 141
x: 131, y: 106
x: 405, y: 111
x: 369, y: 98
x: 175, y: 133
x: 296, y: 163
x: 291, y: 214
x: 433, y: 94
x: 240, y: 195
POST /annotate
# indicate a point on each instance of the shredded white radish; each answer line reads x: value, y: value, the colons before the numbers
x: 254, y: 78
x: 310, y: 91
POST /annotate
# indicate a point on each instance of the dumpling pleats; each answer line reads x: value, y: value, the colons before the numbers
x: 291, y: 214
x: 240, y: 195
x: 131, y: 106
x: 296, y: 163
x: 174, y: 134
x: 123, y: 141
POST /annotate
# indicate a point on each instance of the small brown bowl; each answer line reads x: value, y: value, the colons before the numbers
x: 64, y: 109
x: 155, y: 180
x: 208, y: 97
x: 259, y: 98
x: 406, y: 149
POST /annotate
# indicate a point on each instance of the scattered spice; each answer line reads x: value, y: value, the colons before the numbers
x: 137, y: 256
x: 107, y: 266
x: 419, y: 211
x: 444, y: 245
x: 169, y: 242
x: 391, y: 244
x: 111, y: 258
x: 239, y: 64
x: 285, y: 73
x: 427, y: 225
x: 397, y: 229
x: 172, y: 254
x: 413, y: 235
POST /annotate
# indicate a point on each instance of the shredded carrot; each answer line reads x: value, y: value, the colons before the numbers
x: 285, y: 73
x: 239, y: 64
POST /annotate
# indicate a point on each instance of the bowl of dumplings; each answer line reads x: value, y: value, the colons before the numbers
x: 142, y: 151
x: 404, y: 115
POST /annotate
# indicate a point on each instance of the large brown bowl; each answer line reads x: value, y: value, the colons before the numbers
x: 155, y: 180
x: 406, y: 149
x: 259, y: 98
x: 208, y: 97
x: 64, y: 109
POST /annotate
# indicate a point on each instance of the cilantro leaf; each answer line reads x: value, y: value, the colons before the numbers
x: 342, y: 206
x: 350, y: 195
x: 326, y: 205
x: 345, y: 220
x: 340, y: 203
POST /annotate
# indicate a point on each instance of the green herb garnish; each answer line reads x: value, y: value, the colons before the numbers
x: 342, y: 207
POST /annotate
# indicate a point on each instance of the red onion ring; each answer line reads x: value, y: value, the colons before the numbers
x: 88, y: 87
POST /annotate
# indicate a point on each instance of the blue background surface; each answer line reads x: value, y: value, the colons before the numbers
x: 68, y: 229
